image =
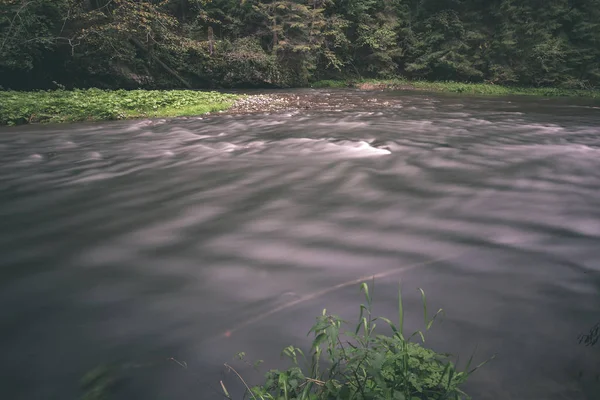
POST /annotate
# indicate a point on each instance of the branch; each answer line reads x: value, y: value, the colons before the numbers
x: 104, y: 6
x: 12, y: 22
x: 241, y: 379
x: 162, y: 64
x: 65, y: 22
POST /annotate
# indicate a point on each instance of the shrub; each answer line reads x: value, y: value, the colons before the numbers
x: 361, y: 364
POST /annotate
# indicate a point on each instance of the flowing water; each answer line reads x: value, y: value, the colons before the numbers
x: 127, y: 243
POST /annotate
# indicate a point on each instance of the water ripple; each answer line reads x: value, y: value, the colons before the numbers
x: 121, y: 240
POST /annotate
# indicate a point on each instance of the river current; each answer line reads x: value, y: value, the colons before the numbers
x: 130, y: 243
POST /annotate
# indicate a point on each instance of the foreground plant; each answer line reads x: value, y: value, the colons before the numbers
x: 361, y: 365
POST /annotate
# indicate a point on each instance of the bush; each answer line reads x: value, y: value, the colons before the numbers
x: 362, y: 365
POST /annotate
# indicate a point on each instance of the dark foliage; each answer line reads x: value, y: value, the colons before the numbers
x: 246, y: 43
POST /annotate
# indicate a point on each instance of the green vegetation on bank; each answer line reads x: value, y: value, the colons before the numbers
x: 97, y: 105
x: 18, y: 108
x: 456, y: 87
x: 287, y: 43
x: 361, y: 364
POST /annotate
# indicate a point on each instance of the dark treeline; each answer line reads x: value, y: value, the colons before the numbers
x: 242, y: 43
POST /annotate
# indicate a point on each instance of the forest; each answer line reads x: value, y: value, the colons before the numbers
x: 165, y: 44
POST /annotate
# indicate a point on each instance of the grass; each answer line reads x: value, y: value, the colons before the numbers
x: 457, y: 87
x: 100, y: 105
x: 361, y: 364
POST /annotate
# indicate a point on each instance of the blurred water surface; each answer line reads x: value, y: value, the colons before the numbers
x: 132, y: 242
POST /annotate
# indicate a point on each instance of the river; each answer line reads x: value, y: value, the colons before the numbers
x: 128, y: 243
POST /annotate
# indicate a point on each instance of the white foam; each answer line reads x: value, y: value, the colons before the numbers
x: 185, y: 134
x: 64, y: 144
x: 138, y: 125
x: 228, y: 147
x: 345, y: 147
x: 366, y: 149
x: 540, y: 128
x: 34, y: 157
x: 223, y: 147
x: 342, y: 124
x: 480, y: 121
x: 254, y: 145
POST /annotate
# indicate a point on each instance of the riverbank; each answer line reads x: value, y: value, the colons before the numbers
x: 18, y: 108
x: 456, y: 87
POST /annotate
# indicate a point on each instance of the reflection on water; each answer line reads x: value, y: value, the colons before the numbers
x: 133, y: 242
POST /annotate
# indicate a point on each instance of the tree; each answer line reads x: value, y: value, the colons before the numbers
x: 30, y: 30
x: 297, y: 35
x: 209, y: 43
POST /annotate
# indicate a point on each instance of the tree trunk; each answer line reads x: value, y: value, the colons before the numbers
x: 162, y: 64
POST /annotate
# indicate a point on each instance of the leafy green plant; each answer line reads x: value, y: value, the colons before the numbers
x: 95, y: 105
x: 361, y: 364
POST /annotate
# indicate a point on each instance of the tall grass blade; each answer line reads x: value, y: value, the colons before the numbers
x: 360, y: 317
x: 241, y: 379
x: 365, y: 288
x: 471, y: 359
x: 440, y: 312
x: 225, y: 390
x: 482, y: 364
x: 400, y: 311
x: 424, y: 300
x: 390, y: 323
